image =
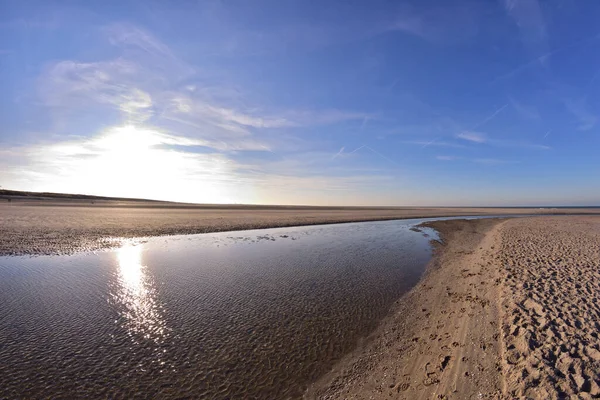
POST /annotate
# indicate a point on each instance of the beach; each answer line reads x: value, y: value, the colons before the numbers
x: 64, y: 226
x: 507, y: 309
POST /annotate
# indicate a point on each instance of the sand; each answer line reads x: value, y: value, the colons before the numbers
x: 507, y: 309
x: 52, y: 226
x: 441, y: 339
x: 551, y: 308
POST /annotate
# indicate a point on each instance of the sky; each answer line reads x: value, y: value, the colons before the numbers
x: 323, y: 102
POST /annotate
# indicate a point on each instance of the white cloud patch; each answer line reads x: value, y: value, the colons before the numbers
x: 224, y: 116
x: 475, y: 137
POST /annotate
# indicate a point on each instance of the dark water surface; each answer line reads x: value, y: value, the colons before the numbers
x: 252, y: 314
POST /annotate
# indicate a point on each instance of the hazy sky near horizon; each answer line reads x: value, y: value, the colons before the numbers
x: 303, y: 102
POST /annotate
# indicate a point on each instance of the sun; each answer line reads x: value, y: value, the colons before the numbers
x: 144, y: 162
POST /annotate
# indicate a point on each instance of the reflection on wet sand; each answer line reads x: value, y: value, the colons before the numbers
x: 137, y: 296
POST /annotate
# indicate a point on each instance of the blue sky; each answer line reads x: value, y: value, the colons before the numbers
x: 303, y: 102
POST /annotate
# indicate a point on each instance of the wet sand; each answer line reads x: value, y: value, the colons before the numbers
x: 51, y: 226
x: 508, y: 309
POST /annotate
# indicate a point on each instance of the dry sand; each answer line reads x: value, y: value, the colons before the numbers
x: 54, y: 226
x: 508, y: 309
x: 551, y: 308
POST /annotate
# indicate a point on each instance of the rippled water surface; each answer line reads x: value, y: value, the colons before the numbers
x: 252, y: 314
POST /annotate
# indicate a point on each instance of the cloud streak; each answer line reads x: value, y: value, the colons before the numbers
x: 481, y: 138
x: 72, y: 85
x: 435, y: 143
x: 447, y: 158
x: 528, y: 16
x: 579, y: 109
x: 474, y: 137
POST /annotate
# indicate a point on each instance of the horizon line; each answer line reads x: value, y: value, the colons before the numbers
x: 9, y: 193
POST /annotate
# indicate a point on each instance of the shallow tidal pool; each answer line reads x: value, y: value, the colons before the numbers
x: 249, y: 314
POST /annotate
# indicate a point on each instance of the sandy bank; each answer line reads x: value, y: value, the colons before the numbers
x: 59, y: 227
x: 442, y: 338
x: 508, y: 309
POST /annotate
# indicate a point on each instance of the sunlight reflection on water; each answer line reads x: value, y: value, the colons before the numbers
x: 136, y: 294
x: 252, y: 314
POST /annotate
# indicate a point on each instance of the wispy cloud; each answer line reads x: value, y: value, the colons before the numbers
x: 177, y: 131
x: 537, y: 61
x: 123, y: 34
x: 435, y: 143
x: 374, y: 152
x: 448, y: 23
x: 326, y: 117
x: 542, y: 59
x: 483, y: 161
x: 481, y: 138
x: 493, y: 161
x: 529, y: 18
x: 447, y: 158
x: 522, y: 145
x: 475, y: 137
x: 46, y: 21
x: 527, y: 112
x: 161, y: 165
x: 201, y: 111
x: 579, y: 109
x: 144, y: 88
x: 141, y: 45
x: 73, y: 85
x: 339, y: 153
x: 492, y: 116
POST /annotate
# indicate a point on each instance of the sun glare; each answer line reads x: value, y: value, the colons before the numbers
x: 142, y: 162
